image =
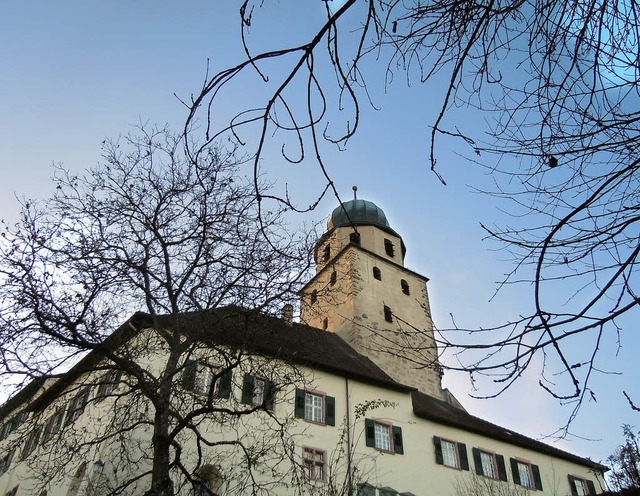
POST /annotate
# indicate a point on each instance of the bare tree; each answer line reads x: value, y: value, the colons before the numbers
x: 625, y: 463
x: 149, y: 229
x: 559, y: 83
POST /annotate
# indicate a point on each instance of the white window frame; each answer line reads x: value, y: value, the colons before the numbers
x: 109, y: 383
x: 383, y: 436
x: 314, y: 468
x: 205, y: 372
x: 450, y: 453
x: 259, y: 391
x: 525, y: 472
x: 54, y: 425
x: 78, y: 404
x: 314, y: 405
x: 489, y: 464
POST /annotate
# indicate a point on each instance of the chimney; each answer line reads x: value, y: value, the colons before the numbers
x: 287, y: 313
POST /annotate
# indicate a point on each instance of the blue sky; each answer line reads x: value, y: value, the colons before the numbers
x: 74, y: 72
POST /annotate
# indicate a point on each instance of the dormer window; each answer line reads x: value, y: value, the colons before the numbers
x: 326, y: 253
x: 377, y: 274
x: 388, y: 315
x: 405, y: 287
x: 388, y: 248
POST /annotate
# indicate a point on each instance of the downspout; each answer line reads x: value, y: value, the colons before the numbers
x: 348, y: 434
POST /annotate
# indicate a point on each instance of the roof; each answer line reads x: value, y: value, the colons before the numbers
x: 430, y: 408
x: 358, y: 212
x: 293, y: 342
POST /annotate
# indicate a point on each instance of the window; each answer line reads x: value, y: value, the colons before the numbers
x: 5, y: 461
x: 450, y: 453
x: 314, y: 296
x: 526, y: 474
x: 405, y: 287
x: 377, y: 274
x: 325, y: 323
x: 354, y: 237
x: 108, y: 384
x: 581, y: 487
x: 32, y: 442
x: 257, y: 391
x: 76, y: 482
x: 388, y: 248
x: 326, y: 253
x: 383, y: 436
x: 388, y: 314
x: 77, y: 404
x: 314, y: 461
x: 489, y: 464
x: 53, y: 425
x: 200, y: 377
x: 13, y: 492
x: 208, y: 482
x: 12, y: 424
x: 315, y: 407
x: 334, y: 278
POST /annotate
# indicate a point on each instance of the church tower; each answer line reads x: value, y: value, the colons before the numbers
x: 363, y: 292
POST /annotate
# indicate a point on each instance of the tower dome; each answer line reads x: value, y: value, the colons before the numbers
x: 358, y: 212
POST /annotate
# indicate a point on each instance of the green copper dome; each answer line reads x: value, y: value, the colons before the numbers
x: 358, y: 212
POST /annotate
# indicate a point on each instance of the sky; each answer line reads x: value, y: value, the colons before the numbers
x: 75, y: 72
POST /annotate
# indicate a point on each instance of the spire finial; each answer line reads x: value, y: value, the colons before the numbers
x: 355, y: 192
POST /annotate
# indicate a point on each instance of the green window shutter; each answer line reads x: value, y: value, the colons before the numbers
x: 247, y: 389
x: 397, y: 440
x: 269, y: 396
x: 438, y: 444
x: 572, y: 485
x: 299, y: 406
x: 591, y: 487
x: 536, y: 477
x: 477, y: 460
x: 330, y: 410
x: 189, y: 375
x: 502, y: 470
x: 514, y: 471
x: 369, y: 432
x: 464, y: 460
x: 225, y: 384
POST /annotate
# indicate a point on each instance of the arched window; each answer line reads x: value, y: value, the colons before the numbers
x: 405, y: 287
x: 377, y: 274
x: 325, y: 323
x: 388, y: 247
x: 209, y: 482
x: 388, y: 315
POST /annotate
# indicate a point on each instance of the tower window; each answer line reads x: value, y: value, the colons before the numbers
x: 314, y: 296
x: 325, y: 323
x: 388, y: 248
x: 405, y: 287
x: 326, y: 253
x: 334, y: 277
x: 377, y: 274
x: 354, y: 237
x: 388, y: 315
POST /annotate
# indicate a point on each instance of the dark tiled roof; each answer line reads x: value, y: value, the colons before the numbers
x: 438, y: 411
x: 297, y: 343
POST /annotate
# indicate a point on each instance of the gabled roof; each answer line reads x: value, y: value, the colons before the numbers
x: 430, y: 408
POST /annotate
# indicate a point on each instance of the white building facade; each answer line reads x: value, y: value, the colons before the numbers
x: 348, y: 401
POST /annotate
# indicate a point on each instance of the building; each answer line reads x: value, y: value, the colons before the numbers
x: 347, y: 401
